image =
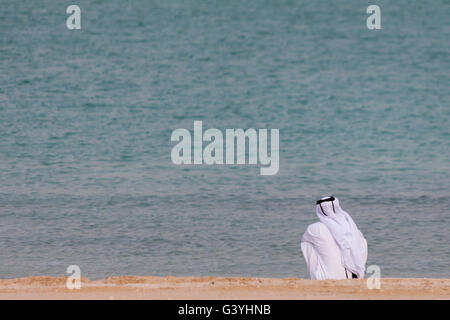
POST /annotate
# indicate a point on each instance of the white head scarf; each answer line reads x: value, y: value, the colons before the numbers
x: 345, y: 233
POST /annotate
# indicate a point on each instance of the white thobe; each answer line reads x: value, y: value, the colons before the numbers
x: 322, y: 253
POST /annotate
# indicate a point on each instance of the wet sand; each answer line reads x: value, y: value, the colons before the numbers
x: 211, y: 288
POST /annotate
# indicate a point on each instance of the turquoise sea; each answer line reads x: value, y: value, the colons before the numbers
x: 86, y: 117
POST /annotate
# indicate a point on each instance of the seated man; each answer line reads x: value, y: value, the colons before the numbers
x: 334, y: 248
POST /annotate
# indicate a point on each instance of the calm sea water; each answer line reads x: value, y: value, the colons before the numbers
x: 86, y: 117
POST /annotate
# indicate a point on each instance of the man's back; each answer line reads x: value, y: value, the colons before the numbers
x: 321, y: 253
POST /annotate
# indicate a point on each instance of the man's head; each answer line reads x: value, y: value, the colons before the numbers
x: 327, y: 206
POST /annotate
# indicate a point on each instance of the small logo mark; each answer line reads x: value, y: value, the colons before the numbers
x: 74, y: 20
x: 374, y: 20
x: 74, y: 280
x: 374, y: 282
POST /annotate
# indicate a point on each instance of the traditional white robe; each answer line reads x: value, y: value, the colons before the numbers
x: 328, y: 258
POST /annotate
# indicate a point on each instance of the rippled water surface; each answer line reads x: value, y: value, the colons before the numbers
x: 86, y: 118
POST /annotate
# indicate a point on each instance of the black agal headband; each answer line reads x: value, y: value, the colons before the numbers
x: 319, y: 202
x: 325, y: 200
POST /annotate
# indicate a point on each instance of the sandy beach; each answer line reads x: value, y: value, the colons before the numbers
x: 211, y: 288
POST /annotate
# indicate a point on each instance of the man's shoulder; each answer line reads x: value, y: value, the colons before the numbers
x: 316, y: 226
x: 317, y: 229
